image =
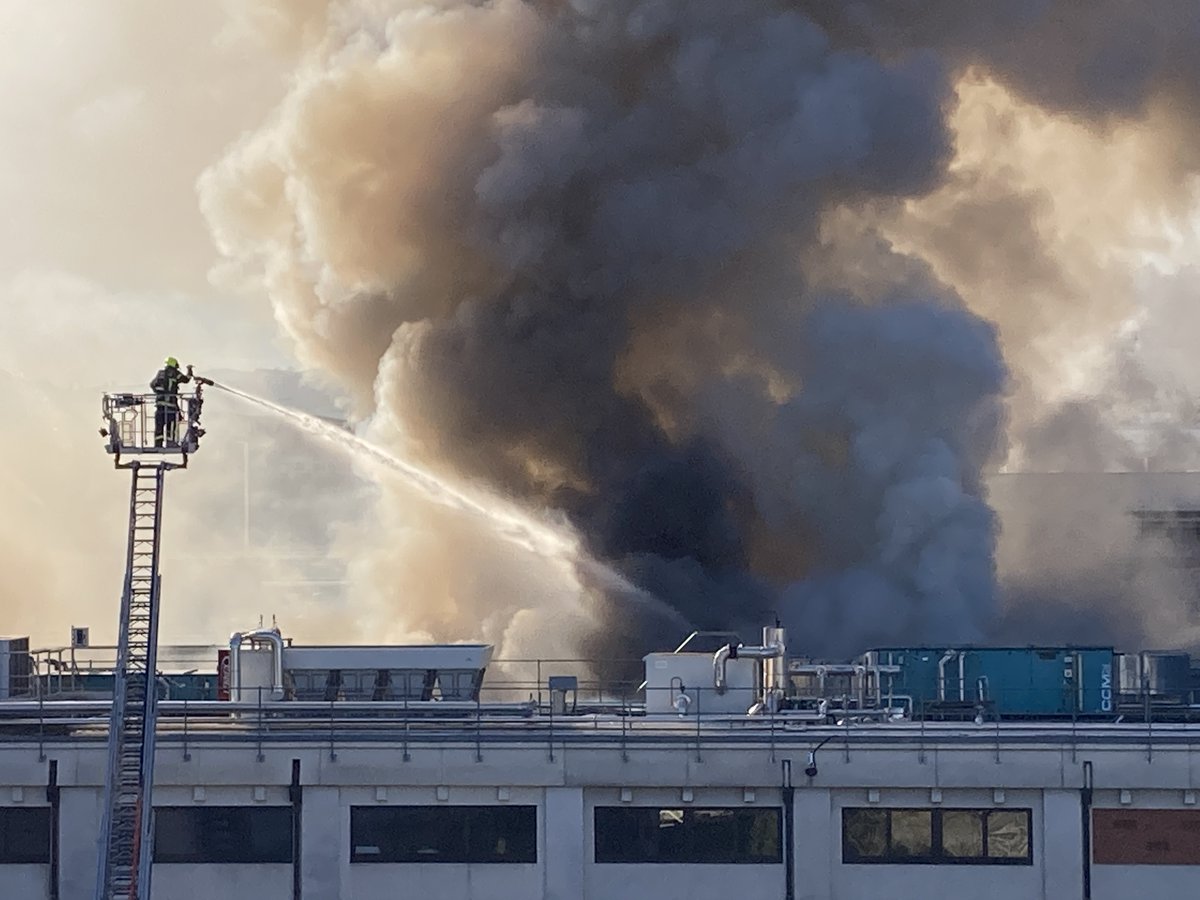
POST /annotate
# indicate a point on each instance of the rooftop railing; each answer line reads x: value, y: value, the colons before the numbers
x: 605, y: 715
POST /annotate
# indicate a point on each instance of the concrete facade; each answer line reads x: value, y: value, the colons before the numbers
x: 567, y: 784
x: 25, y: 882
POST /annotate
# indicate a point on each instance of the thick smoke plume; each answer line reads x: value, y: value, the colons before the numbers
x: 558, y: 245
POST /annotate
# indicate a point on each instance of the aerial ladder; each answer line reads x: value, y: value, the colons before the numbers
x: 127, y: 828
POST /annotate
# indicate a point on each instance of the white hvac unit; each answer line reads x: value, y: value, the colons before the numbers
x: 735, y: 679
x: 264, y: 666
x: 16, y: 667
x: 682, y: 683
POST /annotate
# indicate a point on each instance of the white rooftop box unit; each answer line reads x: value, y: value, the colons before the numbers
x: 682, y: 683
x: 737, y: 678
x: 261, y: 662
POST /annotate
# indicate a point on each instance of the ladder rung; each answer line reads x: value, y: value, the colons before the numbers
x: 132, y: 735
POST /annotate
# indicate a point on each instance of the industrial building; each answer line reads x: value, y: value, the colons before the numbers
x: 351, y: 773
x: 728, y: 772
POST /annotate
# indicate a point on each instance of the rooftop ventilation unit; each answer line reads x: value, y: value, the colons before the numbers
x: 262, y: 662
x: 16, y: 668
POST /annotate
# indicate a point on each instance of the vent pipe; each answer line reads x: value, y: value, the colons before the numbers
x: 948, y: 656
x: 264, y: 635
x: 773, y: 648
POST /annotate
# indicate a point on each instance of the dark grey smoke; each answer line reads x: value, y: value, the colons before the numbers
x: 560, y: 243
x: 906, y: 539
x: 1101, y: 59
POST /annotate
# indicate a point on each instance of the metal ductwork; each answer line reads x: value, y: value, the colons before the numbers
x: 259, y: 635
x: 772, y: 648
x: 947, y: 657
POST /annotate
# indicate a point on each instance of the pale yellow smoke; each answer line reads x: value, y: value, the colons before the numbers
x: 422, y: 572
x: 106, y: 271
x: 1042, y: 226
x: 340, y: 196
x: 1053, y: 229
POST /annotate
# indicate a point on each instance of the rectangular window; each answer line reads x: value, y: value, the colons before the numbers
x: 223, y: 834
x: 639, y: 834
x: 443, y: 834
x: 937, y: 836
x: 1146, y: 837
x: 24, y: 834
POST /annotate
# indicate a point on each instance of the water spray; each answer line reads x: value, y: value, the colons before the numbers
x: 515, y: 525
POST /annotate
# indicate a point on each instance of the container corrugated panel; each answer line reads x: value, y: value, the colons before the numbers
x: 1018, y: 681
x: 1035, y: 681
x: 1100, y: 687
x: 918, y: 676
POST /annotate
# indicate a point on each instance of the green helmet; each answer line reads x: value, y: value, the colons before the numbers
x: 172, y: 362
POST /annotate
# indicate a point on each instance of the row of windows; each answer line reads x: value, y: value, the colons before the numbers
x: 628, y: 834
x: 378, y: 834
x: 508, y: 834
x: 471, y: 834
x: 937, y: 836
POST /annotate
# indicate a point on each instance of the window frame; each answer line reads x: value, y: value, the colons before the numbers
x: 689, y: 831
x: 937, y: 855
x: 282, y: 854
x: 526, y: 851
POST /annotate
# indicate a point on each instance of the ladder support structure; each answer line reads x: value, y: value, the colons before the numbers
x: 126, y: 840
x: 127, y: 832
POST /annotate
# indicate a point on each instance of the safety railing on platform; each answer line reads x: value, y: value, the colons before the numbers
x: 146, y: 424
x: 593, y: 705
x: 189, y: 672
x: 68, y: 671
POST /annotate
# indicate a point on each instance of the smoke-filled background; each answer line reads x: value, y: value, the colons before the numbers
x: 768, y: 301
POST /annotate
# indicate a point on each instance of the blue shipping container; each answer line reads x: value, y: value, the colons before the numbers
x: 1014, y: 681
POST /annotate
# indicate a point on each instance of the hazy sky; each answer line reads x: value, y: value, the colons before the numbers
x: 110, y: 112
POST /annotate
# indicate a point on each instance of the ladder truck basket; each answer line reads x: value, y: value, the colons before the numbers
x: 143, y: 424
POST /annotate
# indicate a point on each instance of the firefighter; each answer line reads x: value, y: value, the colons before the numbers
x: 166, y: 401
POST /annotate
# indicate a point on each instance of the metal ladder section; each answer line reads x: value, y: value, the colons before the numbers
x: 126, y: 834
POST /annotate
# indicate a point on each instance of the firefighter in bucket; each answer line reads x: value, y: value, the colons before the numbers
x: 166, y: 402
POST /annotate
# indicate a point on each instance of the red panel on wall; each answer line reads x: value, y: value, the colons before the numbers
x: 1146, y: 837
